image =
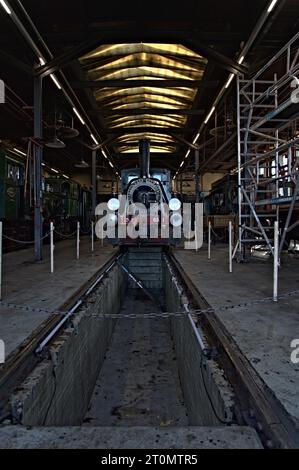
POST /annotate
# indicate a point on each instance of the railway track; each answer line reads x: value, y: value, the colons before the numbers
x: 23, y: 359
x: 256, y: 406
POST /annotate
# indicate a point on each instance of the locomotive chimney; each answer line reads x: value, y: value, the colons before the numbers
x: 144, y: 158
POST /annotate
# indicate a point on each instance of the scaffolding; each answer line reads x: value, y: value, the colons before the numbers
x: 268, y: 151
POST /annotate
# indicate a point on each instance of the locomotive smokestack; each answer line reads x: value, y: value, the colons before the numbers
x: 144, y: 158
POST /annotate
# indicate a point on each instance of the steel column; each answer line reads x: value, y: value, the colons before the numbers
x: 197, y: 187
x: 94, y: 181
x: 38, y: 157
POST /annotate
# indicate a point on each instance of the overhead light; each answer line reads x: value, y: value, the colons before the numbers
x: 78, y: 116
x: 55, y: 143
x: 196, y: 137
x: 182, y: 164
x: 103, y: 152
x: 41, y: 61
x: 174, y: 177
x: 82, y: 164
x: 94, y: 139
x: 53, y: 169
x: 55, y: 81
x: 241, y: 60
x: 65, y: 176
x: 210, y: 114
x: 229, y: 80
x: 43, y: 164
x: 187, y: 154
x: 5, y: 6
x: 110, y: 164
x: 271, y: 6
x: 20, y: 152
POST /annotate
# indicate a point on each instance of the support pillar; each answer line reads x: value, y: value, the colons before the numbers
x: 38, y: 158
x: 197, y: 185
x: 94, y: 181
x: 181, y: 185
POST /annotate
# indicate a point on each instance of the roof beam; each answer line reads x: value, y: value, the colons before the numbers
x: 117, y: 37
x: 154, y: 143
x: 211, y: 54
x: 65, y: 58
x: 173, y: 83
x: 151, y: 111
x: 154, y: 154
x: 148, y: 129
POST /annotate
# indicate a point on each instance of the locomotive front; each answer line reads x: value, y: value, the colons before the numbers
x: 145, y: 212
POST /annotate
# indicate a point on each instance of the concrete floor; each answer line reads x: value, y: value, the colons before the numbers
x: 123, y: 437
x: 139, y: 382
x: 29, y: 284
x: 262, y: 331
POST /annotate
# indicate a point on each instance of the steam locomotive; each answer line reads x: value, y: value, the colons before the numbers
x: 152, y: 189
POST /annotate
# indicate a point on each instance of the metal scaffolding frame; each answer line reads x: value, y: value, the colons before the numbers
x: 268, y: 149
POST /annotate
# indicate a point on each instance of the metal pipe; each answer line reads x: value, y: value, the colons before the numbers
x: 52, y: 246
x: 92, y: 236
x: 276, y: 261
x: 94, y: 181
x: 289, y: 216
x: 230, y: 234
x: 197, y: 187
x: 257, y: 220
x: 38, y: 158
x: 57, y: 327
x: 209, y: 240
x: 78, y: 239
x: 1, y: 232
x: 239, y: 166
x: 196, y: 332
x: 144, y: 158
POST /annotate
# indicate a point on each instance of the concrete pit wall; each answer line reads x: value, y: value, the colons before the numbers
x: 146, y: 264
x: 58, y: 391
x: 196, y: 372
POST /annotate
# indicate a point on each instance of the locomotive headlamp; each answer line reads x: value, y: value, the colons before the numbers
x: 176, y: 220
x: 113, y: 204
x: 174, y: 204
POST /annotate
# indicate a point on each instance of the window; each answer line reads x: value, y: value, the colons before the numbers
x: 13, y: 172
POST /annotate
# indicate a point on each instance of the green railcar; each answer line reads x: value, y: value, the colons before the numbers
x: 12, y: 203
x: 223, y: 197
x: 66, y: 202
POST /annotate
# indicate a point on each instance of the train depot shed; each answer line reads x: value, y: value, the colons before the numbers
x: 149, y: 225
